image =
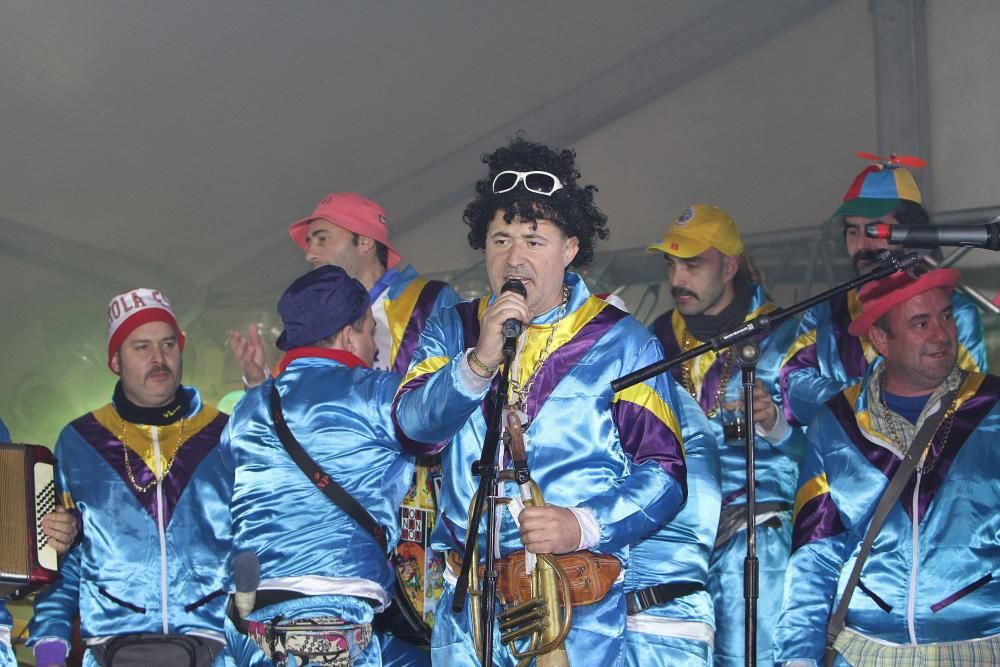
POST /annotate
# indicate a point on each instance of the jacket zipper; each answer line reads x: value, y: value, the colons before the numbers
x: 912, y: 606
x: 159, y: 525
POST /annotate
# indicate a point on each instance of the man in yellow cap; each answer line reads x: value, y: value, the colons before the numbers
x: 716, y: 289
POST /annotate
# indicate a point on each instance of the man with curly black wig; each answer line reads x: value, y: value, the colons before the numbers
x: 610, y: 464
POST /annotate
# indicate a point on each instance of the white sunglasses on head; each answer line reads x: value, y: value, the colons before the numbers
x: 539, y: 182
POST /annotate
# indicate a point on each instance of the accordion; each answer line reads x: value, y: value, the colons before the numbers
x: 27, y: 493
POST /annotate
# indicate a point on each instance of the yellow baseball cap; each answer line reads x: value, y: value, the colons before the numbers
x: 700, y: 227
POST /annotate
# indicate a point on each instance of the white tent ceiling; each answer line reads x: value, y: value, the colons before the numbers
x: 172, y: 142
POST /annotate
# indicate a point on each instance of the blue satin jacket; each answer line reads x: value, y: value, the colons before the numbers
x: 825, y: 358
x: 408, y: 303
x: 150, y: 557
x: 341, y: 417
x: 777, y: 463
x: 680, y: 550
x: 617, y: 454
x: 933, y: 574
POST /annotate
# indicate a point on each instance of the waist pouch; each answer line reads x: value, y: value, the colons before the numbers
x: 328, y: 641
x: 590, y: 575
x: 155, y: 650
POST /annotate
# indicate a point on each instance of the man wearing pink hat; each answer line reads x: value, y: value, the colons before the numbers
x: 350, y: 231
x: 826, y: 356
x: 146, y: 478
x: 928, y: 591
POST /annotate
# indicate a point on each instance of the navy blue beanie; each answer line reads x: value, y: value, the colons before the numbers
x: 318, y: 305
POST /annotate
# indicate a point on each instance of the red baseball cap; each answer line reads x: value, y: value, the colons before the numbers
x: 352, y: 212
x: 879, y: 297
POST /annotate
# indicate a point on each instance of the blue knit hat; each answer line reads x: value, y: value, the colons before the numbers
x: 318, y: 305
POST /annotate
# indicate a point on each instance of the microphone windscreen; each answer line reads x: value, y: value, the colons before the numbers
x: 246, y: 571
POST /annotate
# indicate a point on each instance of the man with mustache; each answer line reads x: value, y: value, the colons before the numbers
x: 928, y: 593
x: 826, y: 357
x: 146, y: 478
x: 611, y: 465
x: 715, y: 290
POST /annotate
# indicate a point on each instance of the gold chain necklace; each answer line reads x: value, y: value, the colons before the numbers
x: 170, y: 463
x: 727, y: 370
x: 519, y: 394
x: 897, y: 439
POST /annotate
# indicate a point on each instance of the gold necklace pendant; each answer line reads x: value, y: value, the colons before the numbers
x: 170, y: 464
x: 904, y: 449
x: 521, y: 401
x: 688, y: 381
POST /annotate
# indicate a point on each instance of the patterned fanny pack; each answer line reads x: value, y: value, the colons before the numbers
x: 327, y: 641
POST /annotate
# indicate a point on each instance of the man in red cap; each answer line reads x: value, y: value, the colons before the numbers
x: 927, y: 592
x: 146, y: 478
x: 350, y: 231
x: 826, y: 356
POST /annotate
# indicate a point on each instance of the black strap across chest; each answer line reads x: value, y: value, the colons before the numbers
x: 335, y: 492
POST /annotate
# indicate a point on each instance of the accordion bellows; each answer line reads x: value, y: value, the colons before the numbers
x: 27, y: 493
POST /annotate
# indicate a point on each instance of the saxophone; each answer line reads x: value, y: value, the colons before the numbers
x: 547, y: 615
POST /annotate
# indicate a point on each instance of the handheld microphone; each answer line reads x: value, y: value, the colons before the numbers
x: 246, y: 576
x: 933, y: 236
x: 512, y: 327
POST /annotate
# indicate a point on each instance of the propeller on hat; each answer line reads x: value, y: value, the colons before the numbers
x: 895, y: 160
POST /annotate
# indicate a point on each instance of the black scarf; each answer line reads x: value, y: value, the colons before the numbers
x: 704, y: 327
x: 173, y: 411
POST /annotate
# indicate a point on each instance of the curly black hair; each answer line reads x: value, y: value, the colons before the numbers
x: 571, y: 208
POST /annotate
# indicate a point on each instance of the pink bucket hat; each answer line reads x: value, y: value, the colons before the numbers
x: 352, y: 212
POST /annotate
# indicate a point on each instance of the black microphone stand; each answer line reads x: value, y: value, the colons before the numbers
x: 488, y: 471
x: 747, y: 355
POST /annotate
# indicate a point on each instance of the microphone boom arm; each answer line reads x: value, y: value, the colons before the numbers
x: 889, y: 264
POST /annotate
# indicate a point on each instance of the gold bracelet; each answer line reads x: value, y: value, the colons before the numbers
x: 475, y: 361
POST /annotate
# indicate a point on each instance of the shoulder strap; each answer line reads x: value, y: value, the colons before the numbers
x: 889, y: 497
x: 335, y: 492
